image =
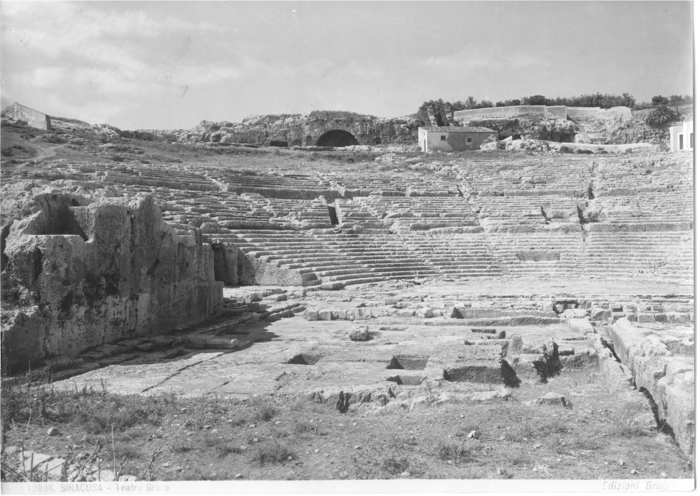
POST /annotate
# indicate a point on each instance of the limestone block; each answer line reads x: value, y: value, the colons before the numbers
x: 660, y: 317
x: 574, y: 313
x: 646, y: 318
x: 580, y: 325
x: 600, y: 314
x: 325, y: 314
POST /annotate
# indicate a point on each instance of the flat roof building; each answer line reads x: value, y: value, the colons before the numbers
x: 682, y: 136
x: 454, y: 138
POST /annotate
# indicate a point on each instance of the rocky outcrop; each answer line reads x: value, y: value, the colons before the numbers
x: 305, y: 129
x: 78, y: 274
x: 558, y: 130
x: 668, y: 377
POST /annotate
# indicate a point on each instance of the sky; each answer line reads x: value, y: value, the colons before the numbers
x: 169, y: 65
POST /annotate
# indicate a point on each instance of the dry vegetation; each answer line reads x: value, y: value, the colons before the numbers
x: 167, y: 437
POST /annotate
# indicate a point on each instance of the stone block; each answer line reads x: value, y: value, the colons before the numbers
x: 406, y: 312
x: 646, y: 318
x: 660, y: 317
x: 325, y: 314
x: 580, y: 325
x: 339, y: 314
x: 600, y: 314
x: 311, y: 315
x: 425, y: 313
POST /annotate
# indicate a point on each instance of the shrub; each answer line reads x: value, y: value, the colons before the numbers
x: 274, y: 452
x: 662, y: 115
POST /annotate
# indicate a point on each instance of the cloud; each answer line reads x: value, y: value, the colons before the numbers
x: 471, y: 58
x: 101, y: 52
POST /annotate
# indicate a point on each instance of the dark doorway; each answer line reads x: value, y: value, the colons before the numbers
x: 281, y: 144
x: 337, y: 137
x: 309, y: 141
x: 333, y: 216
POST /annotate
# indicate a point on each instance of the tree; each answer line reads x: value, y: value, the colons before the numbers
x: 628, y: 100
x: 535, y: 100
x: 659, y: 100
x: 662, y: 115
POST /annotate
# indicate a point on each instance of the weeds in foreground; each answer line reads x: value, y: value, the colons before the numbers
x: 456, y: 453
x: 273, y: 452
x: 395, y: 466
x: 263, y: 410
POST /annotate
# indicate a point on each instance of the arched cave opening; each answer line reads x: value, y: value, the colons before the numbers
x: 337, y: 137
x: 309, y: 141
x: 377, y: 141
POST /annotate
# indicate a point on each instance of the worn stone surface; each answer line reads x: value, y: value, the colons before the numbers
x: 669, y: 378
x: 82, y: 276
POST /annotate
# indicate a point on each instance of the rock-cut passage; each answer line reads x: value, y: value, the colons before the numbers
x: 337, y: 137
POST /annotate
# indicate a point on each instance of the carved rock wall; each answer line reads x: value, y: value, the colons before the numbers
x: 305, y: 130
x: 78, y: 274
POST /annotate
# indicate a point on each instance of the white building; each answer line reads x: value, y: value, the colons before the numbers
x: 682, y: 136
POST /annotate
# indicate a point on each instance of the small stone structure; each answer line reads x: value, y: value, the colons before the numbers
x: 454, y: 138
x: 682, y: 136
x: 78, y: 274
x: 33, y: 118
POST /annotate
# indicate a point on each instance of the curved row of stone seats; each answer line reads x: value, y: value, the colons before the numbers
x: 522, y: 213
x: 421, y: 213
x: 674, y: 206
x: 274, y: 186
x: 460, y: 255
x: 525, y: 177
x: 330, y: 259
x: 288, y: 249
x: 614, y: 177
x: 365, y: 186
x: 156, y: 178
x: 301, y: 214
x: 225, y: 210
x: 539, y: 254
x: 353, y: 212
x: 375, y: 258
x: 666, y: 255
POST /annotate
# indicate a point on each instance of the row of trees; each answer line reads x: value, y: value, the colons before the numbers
x: 592, y: 100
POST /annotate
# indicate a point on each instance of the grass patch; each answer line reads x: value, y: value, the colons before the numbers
x: 223, y: 450
x: 263, y: 410
x: 456, y: 453
x: 395, y: 466
x: 273, y: 452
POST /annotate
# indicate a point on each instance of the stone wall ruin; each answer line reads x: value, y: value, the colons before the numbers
x: 78, y: 274
x: 33, y: 118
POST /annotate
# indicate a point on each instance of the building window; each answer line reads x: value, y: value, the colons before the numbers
x: 680, y: 141
x: 691, y: 140
x: 469, y: 140
x: 443, y: 138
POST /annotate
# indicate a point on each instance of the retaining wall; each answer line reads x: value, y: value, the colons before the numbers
x: 32, y: 117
